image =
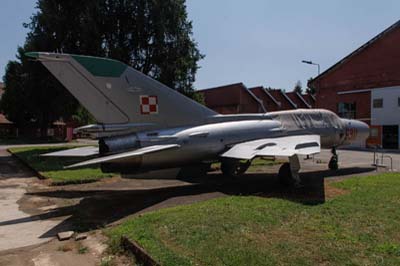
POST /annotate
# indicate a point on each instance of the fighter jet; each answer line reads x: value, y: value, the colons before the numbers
x: 144, y: 125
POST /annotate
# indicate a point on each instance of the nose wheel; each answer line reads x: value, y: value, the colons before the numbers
x: 334, y: 161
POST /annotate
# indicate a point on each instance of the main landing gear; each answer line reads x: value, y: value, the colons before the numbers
x: 233, y: 168
x: 196, y: 171
x: 289, y: 172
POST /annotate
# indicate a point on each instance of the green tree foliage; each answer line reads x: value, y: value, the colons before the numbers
x: 298, y: 87
x: 32, y: 97
x: 309, y: 89
x: 153, y: 36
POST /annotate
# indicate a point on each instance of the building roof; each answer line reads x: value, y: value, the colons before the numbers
x: 266, y: 93
x: 1, y: 88
x: 239, y: 84
x: 303, y: 100
x: 284, y: 101
x: 357, y: 51
x: 260, y: 103
x: 309, y: 98
x: 4, y: 120
x: 226, y: 89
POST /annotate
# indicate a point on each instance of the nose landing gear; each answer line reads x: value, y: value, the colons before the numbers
x: 333, y: 162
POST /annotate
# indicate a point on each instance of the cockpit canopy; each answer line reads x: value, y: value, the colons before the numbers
x: 307, y: 118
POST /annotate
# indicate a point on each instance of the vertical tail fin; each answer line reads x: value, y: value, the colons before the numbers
x: 116, y: 93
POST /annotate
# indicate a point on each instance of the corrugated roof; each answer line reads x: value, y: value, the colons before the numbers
x: 303, y: 100
x: 288, y: 99
x: 260, y: 103
x: 357, y: 51
x: 278, y: 103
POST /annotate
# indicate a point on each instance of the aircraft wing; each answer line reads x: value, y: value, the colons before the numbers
x: 75, y: 152
x: 284, y: 146
x: 125, y: 156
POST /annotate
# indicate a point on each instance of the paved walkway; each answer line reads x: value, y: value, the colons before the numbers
x: 17, y: 229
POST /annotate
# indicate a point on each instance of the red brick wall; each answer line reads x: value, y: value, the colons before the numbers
x: 285, y: 105
x: 222, y: 96
x: 230, y: 99
x: 309, y: 99
x: 293, y: 96
x: 247, y: 103
x: 376, y: 66
x: 375, y: 141
x: 329, y: 99
x: 269, y: 104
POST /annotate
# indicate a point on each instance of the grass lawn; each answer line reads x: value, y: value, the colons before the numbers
x: 22, y: 140
x: 360, y: 227
x: 52, y: 167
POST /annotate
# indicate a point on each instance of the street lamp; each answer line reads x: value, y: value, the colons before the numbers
x: 312, y: 63
x: 315, y: 64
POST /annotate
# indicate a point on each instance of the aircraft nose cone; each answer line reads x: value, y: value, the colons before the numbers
x: 362, y: 130
x: 356, y: 131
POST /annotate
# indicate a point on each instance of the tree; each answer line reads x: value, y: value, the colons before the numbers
x: 310, y: 90
x: 32, y: 97
x: 153, y: 36
x: 298, y: 87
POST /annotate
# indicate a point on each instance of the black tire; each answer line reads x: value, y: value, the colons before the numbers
x: 242, y: 167
x: 234, y: 168
x: 333, y: 163
x: 285, y: 175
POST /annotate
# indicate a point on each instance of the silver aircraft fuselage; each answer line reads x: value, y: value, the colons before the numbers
x: 145, y: 125
x: 204, y: 143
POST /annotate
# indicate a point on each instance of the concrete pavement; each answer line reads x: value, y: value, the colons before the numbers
x: 17, y: 229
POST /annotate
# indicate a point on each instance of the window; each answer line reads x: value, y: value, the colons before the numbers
x: 377, y: 103
x: 398, y: 101
x: 373, y: 132
x: 347, y: 110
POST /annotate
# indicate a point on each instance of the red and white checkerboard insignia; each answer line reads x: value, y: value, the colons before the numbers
x: 148, y: 105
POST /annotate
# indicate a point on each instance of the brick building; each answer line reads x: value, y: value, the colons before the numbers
x: 232, y: 99
x: 270, y: 102
x: 59, y: 129
x: 237, y: 98
x: 6, y: 127
x: 365, y: 85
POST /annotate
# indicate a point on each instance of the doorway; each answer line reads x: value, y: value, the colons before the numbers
x: 390, y: 137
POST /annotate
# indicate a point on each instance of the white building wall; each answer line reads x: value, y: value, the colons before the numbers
x: 389, y: 114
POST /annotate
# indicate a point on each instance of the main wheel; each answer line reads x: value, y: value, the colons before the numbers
x: 234, y: 168
x: 285, y: 175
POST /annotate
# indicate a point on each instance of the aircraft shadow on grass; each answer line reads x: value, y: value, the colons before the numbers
x: 98, y: 208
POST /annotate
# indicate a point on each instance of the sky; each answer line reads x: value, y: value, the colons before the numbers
x: 257, y: 42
